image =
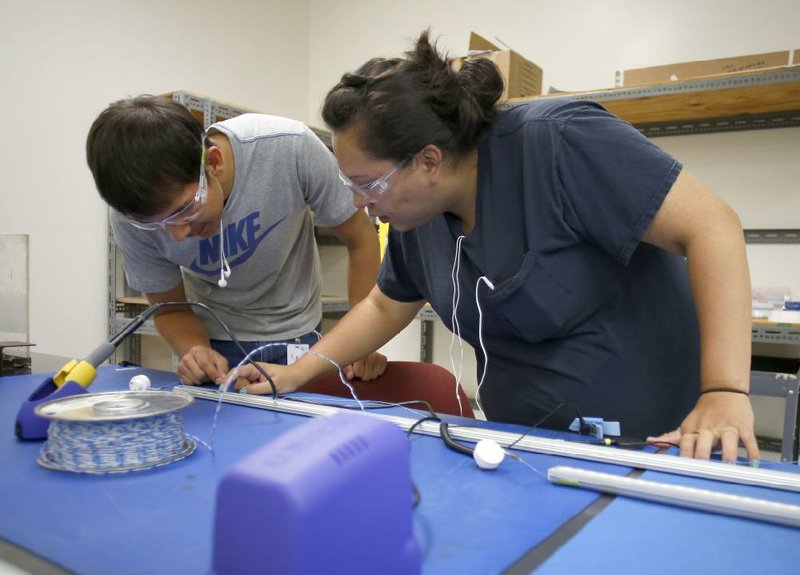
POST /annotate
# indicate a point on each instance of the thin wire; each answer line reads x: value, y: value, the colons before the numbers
x: 420, y: 421
x: 454, y: 277
x: 115, y: 445
x: 525, y: 463
x: 368, y: 405
x: 234, y: 339
x: 480, y: 340
x: 233, y: 376
x: 342, y: 378
x: 544, y: 418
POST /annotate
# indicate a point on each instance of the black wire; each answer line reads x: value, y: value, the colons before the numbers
x: 420, y: 421
x: 155, y: 307
x: 546, y: 417
x: 417, y: 496
x: 430, y: 417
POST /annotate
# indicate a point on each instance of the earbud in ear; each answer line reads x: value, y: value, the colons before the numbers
x: 488, y: 454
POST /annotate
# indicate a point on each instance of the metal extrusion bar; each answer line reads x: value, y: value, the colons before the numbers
x: 665, y: 463
x: 679, y: 495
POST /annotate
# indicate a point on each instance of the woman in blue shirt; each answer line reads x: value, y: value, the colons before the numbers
x: 586, y: 266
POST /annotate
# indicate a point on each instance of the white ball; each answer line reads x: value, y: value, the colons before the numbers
x: 139, y: 383
x: 488, y: 454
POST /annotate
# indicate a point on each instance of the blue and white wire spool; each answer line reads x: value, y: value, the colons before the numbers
x: 115, y: 432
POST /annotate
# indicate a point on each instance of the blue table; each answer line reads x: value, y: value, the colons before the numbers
x: 469, y: 521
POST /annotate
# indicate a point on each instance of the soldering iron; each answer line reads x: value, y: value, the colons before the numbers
x: 76, y: 376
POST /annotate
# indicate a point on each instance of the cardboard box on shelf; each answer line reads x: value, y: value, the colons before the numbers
x: 522, y: 77
x: 685, y: 70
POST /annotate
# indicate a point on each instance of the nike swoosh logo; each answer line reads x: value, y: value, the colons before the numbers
x: 241, y: 258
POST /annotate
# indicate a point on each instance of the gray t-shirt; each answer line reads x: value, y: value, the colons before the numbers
x: 283, y: 173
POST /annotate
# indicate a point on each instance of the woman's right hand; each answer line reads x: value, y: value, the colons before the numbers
x: 251, y: 381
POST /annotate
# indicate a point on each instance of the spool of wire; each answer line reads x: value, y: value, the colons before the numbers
x: 115, y: 432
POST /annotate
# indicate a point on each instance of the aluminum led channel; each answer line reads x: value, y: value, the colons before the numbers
x: 653, y: 461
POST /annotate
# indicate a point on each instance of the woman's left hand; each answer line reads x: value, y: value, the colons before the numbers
x: 719, y: 418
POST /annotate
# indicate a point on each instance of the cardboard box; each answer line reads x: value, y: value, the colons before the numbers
x: 684, y: 70
x: 522, y: 77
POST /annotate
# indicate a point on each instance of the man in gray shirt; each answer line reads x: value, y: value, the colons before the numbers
x: 227, y: 218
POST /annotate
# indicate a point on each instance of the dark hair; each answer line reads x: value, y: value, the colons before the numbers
x: 400, y: 105
x: 142, y: 152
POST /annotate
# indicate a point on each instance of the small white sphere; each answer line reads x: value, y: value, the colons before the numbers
x: 488, y: 454
x: 139, y: 383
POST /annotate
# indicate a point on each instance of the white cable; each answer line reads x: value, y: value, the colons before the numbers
x: 342, y: 378
x: 681, y: 496
x: 224, y: 268
x: 480, y: 340
x: 234, y: 374
x: 454, y: 322
x: 346, y: 403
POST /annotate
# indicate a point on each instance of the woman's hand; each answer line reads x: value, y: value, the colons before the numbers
x: 719, y: 418
x: 250, y: 380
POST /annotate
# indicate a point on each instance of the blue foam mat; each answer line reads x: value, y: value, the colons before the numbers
x: 161, y: 520
x: 645, y: 537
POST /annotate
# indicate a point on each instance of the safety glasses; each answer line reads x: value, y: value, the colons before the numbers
x: 375, y: 187
x: 190, y: 211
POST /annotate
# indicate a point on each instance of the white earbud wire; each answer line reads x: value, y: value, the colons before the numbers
x: 224, y: 268
x: 454, y: 322
x: 480, y: 339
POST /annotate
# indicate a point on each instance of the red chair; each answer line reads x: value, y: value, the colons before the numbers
x: 402, y: 381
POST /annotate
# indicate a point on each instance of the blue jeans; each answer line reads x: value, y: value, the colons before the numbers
x: 275, y: 353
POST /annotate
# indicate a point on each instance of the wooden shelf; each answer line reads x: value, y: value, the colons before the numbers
x: 750, y: 100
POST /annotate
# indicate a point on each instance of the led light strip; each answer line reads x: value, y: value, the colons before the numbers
x: 679, y: 495
x: 654, y: 461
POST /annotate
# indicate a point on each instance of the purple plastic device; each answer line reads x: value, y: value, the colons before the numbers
x: 333, y: 495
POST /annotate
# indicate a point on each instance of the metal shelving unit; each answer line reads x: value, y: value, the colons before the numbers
x: 753, y: 100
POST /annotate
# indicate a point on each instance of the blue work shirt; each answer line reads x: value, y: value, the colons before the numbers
x: 582, y: 312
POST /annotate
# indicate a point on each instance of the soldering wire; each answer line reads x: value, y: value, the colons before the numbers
x: 110, y: 446
x: 233, y: 374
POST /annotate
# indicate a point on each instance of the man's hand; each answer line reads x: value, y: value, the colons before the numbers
x: 202, y: 364
x: 719, y: 418
x: 366, y: 369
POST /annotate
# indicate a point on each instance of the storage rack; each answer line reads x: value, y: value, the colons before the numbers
x: 752, y: 100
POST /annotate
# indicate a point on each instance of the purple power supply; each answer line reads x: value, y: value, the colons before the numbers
x: 333, y: 495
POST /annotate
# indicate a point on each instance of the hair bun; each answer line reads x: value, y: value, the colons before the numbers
x: 354, y: 80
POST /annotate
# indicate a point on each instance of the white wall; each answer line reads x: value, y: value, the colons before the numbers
x: 61, y: 63
x: 578, y: 43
